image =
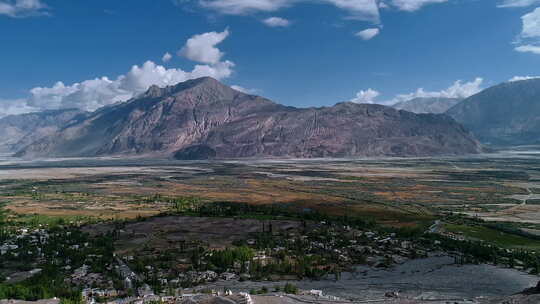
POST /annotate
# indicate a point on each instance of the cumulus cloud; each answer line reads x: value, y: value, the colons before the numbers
x: 22, y: 8
x: 368, y: 34
x: 14, y: 107
x: 459, y: 89
x: 94, y: 93
x: 202, y: 48
x: 531, y: 24
x: 518, y: 3
x: 530, y: 33
x: 367, y: 96
x: 413, y: 5
x: 276, y: 22
x: 519, y: 78
x: 166, y: 57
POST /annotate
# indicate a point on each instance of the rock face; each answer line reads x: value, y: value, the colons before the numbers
x: 18, y: 131
x: 506, y: 114
x: 202, y: 119
x: 435, y: 105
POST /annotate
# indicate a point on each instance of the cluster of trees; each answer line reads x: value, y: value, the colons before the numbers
x: 475, y: 252
x: 195, y: 206
x: 288, y: 288
x: 224, y: 259
x: 45, y: 285
x: 4, y: 233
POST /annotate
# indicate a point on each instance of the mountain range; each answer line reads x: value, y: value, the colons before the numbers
x: 505, y: 114
x: 436, y: 105
x: 204, y: 119
x: 18, y: 131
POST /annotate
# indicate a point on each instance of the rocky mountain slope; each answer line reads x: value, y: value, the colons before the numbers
x: 435, y: 105
x: 18, y: 131
x: 506, y: 114
x: 202, y: 119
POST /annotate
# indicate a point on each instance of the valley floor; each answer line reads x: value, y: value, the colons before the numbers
x: 491, y: 200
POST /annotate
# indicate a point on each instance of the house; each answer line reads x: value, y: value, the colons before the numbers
x: 145, y: 290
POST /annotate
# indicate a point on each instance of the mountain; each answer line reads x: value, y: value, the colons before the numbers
x: 18, y: 131
x: 202, y: 119
x: 506, y: 114
x: 436, y: 105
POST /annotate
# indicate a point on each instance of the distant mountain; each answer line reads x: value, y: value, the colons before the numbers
x: 202, y: 119
x: 17, y: 131
x: 506, y: 114
x: 435, y: 105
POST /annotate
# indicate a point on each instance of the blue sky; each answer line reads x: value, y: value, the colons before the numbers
x: 296, y: 52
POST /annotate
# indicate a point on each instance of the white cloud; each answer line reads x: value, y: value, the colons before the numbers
x: 528, y: 49
x: 367, y: 10
x: 368, y: 34
x: 518, y: 3
x: 458, y: 90
x: 202, y: 48
x: 530, y: 33
x: 22, y: 8
x: 244, y: 90
x: 358, y: 9
x: 531, y: 24
x: 413, y: 5
x: 166, y: 57
x: 14, y: 107
x: 367, y: 96
x: 276, y: 22
x: 519, y: 78
x: 241, y: 7
x: 94, y: 93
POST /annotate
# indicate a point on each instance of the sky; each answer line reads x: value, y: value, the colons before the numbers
x: 87, y: 54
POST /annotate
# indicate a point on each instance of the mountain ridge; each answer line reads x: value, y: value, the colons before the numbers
x: 18, y: 131
x: 202, y: 118
x: 505, y: 114
x: 435, y: 105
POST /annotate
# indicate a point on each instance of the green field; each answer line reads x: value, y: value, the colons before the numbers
x: 492, y: 236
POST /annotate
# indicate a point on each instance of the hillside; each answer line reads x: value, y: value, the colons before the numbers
x: 18, y: 131
x: 506, y: 114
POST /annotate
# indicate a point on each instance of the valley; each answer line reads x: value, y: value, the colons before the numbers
x: 495, y: 186
x: 270, y: 152
x: 380, y: 214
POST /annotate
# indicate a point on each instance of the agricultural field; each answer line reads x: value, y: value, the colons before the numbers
x: 396, y: 192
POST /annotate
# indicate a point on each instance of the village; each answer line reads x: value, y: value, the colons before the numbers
x: 180, y: 257
x: 92, y: 269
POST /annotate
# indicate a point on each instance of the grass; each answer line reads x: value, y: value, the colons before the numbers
x: 501, y: 239
x: 40, y: 219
